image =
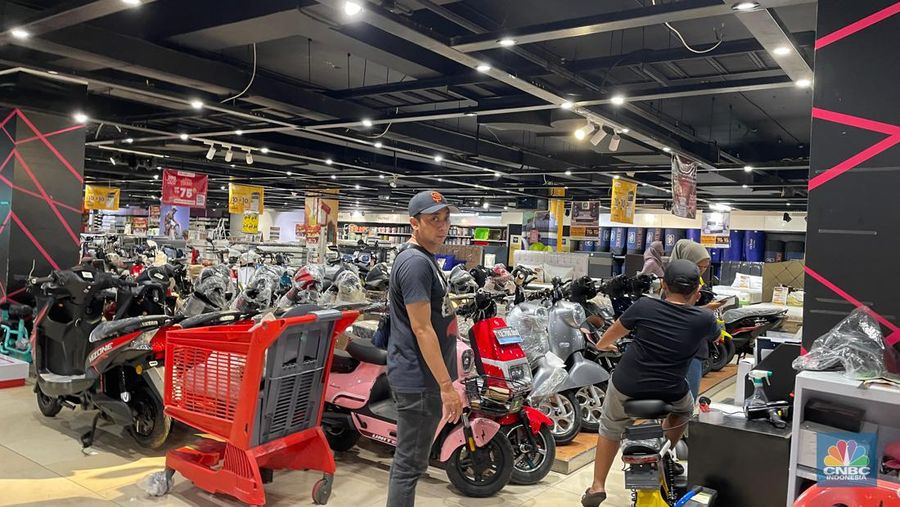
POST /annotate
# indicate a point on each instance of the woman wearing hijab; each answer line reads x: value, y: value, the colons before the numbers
x: 653, y: 263
x: 692, y: 251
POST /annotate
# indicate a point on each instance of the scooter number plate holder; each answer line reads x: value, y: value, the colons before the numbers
x: 507, y: 336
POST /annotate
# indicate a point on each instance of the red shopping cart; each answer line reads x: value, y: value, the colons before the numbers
x: 259, y: 388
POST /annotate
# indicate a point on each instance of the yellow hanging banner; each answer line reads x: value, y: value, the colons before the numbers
x: 245, y: 198
x: 624, y: 194
x: 101, y: 197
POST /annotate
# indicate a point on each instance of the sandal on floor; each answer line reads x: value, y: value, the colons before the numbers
x: 592, y: 499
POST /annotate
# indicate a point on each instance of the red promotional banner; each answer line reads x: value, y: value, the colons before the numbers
x: 183, y: 188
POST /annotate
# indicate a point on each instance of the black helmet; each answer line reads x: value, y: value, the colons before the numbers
x: 583, y: 289
x: 378, y: 278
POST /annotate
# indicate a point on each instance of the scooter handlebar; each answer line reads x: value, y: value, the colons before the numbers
x: 40, y: 281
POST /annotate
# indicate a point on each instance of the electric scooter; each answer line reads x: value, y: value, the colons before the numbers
x: 108, y: 366
x: 477, y: 455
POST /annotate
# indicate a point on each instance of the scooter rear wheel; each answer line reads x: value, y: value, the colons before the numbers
x: 48, y: 406
x: 151, y: 425
x: 718, y: 357
x: 498, y: 455
x: 591, y: 400
x: 341, y: 439
x: 565, y: 412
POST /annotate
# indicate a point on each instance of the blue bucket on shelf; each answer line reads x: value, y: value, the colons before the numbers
x: 635, y: 241
x: 672, y: 237
x: 654, y: 234
x: 587, y: 246
x: 617, y: 241
x: 774, y: 251
x: 754, y: 246
x: 735, y: 252
x: 445, y: 261
x: 603, y: 243
x: 693, y: 235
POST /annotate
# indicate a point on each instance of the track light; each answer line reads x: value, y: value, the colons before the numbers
x: 438, y: 158
x: 786, y: 217
x: 506, y: 42
x: 617, y: 100
x: 328, y: 161
x: 20, y: 33
x: 366, y: 122
x: 184, y: 137
x: 568, y: 172
x: 598, y: 137
x: 485, y: 205
x: 155, y: 176
x: 112, y: 160
x: 748, y: 168
x: 567, y: 105
x: 211, y: 153
x: 249, y: 158
x: 229, y: 155
x: 483, y: 67
x: 80, y: 117
x: 378, y: 144
x: 238, y: 132
x: 667, y: 149
x: 264, y: 150
x: 614, y: 142
x: 334, y: 176
x: 352, y: 8
x: 197, y: 104
x: 585, y: 131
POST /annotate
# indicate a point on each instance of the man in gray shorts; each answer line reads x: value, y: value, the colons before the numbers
x: 667, y: 334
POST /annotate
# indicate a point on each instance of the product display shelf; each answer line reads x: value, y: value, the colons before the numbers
x: 880, y: 402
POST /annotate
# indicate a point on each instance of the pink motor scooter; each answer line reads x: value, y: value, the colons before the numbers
x: 477, y: 456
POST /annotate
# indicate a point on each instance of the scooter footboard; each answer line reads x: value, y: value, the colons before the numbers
x: 482, y: 429
x: 583, y: 373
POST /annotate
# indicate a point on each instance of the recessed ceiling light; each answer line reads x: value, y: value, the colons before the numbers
x: 745, y: 6
x: 567, y: 105
x: 238, y: 132
x: 643, y: 184
x: 744, y: 185
x: 264, y: 150
x: 366, y: 122
x: 438, y: 158
x: 381, y: 176
x: 183, y: 137
x: 781, y: 50
x: 20, y: 33
x: 506, y: 207
x: 617, y: 100
x: 667, y: 149
x: 352, y: 8
x: 197, y: 104
x: 329, y: 161
x: 289, y: 173
x: 155, y: 176
x: 129, y: 140
x: 80, y: 117
x: 485, y: 205
x: 483, y: 67
x: 334, y: 176
x: 233, y: 166
x: 625, y: 131
x: 222, y: 187
x: 616, y: 177
x: 748, y: 168
x: 568, y: 172
x: 803, y: 83
x: 507, y: 42
x: 356, y: 187
x: 378, y: 144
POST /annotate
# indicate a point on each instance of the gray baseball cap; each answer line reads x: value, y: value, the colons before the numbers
x: 429, y: 201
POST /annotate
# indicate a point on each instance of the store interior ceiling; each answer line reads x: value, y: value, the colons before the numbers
x: 480, y: 99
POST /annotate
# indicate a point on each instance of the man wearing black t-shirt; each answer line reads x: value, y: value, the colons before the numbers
x: 667, y: 335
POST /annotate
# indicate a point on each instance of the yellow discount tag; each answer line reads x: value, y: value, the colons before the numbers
x: 251, y: 223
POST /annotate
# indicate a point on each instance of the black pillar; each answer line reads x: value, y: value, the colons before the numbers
x: 852, y: 239
x: 41, y: 178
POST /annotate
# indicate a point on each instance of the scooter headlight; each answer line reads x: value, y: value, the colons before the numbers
x: 468, y: 361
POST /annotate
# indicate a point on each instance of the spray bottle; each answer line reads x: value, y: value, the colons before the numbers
x: 758, y: 400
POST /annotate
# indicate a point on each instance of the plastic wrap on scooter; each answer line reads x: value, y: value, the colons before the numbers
x: 552, y: 374
x: 531, y: 320
x: 155, y: 484
x: 856, y: 344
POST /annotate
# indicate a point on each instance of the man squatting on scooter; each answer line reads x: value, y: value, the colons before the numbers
x: 667, y: 335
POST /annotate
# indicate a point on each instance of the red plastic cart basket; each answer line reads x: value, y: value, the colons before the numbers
x: 259, y: 387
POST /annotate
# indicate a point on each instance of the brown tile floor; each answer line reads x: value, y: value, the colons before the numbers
x: 41, y: 464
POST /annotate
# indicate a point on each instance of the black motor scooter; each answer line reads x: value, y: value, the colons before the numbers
x: 84, y: 361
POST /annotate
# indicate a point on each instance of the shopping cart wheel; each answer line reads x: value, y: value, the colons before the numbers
x: 267, y: 474
x: 322, y: 490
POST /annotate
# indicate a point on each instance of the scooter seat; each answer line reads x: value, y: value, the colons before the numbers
x: 647, y: 409
x: 343, y: 362
x: 365, y: 352
x: 113, y: 328
x: 20, y: 311
x: 737, y: 314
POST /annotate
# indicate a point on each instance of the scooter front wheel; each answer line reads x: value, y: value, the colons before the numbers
x: 591, y: 400
x: 484, y: 472
x: 565, y: 412
x: 531, y: 462
x: 151, y: 426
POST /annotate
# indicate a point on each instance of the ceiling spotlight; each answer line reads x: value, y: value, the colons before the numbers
x: 222, y: 187
x: 599, y: 136
x: 233, y: 166
x: 328, y: 161
x: 616, y: 177
x: 249, y: 158
x: 583, y: 132
x: 197, y: 104
x: 617, y: 100
x: 667, y: 149
x: 20, y: 33
x: 155, y: 176
x: 485, y: 205
x: 80, y: 117
x: 745, y: 6
x: 803, y: 83
x: 238, y: 132
x: 366, y: 122
x: 264, y: 150
x: 567, y: 105
x: 781, y: 51
x: 356, y: 187
x: 787, y: 204
x: 614, y: 142
x: 483, y: 67
x: 744, y: 185
x: 506, y: 42
x: 378, y: 144
x: 625, y: 131
x: 786, y: 217
x: 211, y: 153
x: 229, y: 155
x: 334, y: 176
x: 380, y: 176
x: 440, y: 180
x: 352, y: 8
x: 568, y: 172
x: 184, y: 137
x: 393, y: 183
x: 293, y: 194
x: 438, y: 158
x: 289, y: 173
x: 643, y: 184
x: 129, y: 140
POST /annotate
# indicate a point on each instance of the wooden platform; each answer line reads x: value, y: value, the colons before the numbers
x: 580, y: 452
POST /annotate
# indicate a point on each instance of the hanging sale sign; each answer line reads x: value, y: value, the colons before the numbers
x: 250, y: 223
x: 184, y: 188
x: 684, y: 187
x: 106, y: 198
x: 624, y: 196
x: 245, y: 198
x: 715, y: 231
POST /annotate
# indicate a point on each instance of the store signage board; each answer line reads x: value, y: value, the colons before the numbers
x: 715, y: 231
x: 585, y: 221
x: 245, y: 198
x: 101, y: 198
x: 684, y: 187
x: 250, y: 224
x: 184, y: 188
x: 624, y: 197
